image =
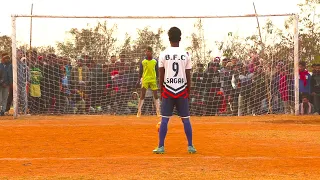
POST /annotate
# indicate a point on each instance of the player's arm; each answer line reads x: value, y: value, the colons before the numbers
x: 161, y: 72
x: 140, y: 74
x: 140, y: 70
x: 188, y: 74
x: 161, y: 78
x: 157, y: 69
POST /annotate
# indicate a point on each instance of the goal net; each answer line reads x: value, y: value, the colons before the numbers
x: 91, y: 65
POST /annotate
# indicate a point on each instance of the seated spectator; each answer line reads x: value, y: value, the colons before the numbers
x: 133, y: 103
x: 306, y: 108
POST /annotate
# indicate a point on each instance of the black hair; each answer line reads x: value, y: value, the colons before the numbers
x: 174, y: 34
x: 149, y: 49
x: 113, y: 56
x: 303, y: 63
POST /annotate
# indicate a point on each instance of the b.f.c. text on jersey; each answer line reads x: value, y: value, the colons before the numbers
x: 175, y: 57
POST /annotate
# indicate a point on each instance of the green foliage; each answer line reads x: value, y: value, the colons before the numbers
x: 198, y: 45
x: 97, y: 42
x: 5, y: 44
x: 134, y: 50
x: 45, y: 50
x: 277, y: 44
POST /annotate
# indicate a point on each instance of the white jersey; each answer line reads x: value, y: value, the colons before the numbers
x: 175, y: 61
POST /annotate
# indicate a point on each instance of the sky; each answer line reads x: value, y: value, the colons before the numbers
x: 49, y: 31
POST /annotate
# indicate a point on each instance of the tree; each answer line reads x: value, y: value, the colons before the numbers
x: 198, y: 44
x: 309, y: 30
x: 135, y: 49
x: 235, y: 46
x: 45, y: 49
x: 97, y: 42
x: 5, y: 44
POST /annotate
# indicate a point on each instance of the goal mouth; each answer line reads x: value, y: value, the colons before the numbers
x: 91, y: 64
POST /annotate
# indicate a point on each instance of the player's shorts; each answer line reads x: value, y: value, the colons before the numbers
x: 181, y: 104
x: 152, y: 85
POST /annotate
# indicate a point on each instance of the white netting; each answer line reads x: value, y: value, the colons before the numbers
x: 89, y: 66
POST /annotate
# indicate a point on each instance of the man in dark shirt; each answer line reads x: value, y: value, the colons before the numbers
x: 315, y: 87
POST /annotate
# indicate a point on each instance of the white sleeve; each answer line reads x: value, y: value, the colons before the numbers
x: 188, y: 63
x: 161, y: 61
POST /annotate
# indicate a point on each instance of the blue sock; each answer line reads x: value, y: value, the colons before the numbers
x: 163, y: 130
x: 188, y: 130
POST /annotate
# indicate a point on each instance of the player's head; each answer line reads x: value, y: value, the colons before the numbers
x: 149, y: 52
x: 174, y: 34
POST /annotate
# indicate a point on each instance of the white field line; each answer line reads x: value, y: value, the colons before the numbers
x: 162, y: 157
x: 132, y: 123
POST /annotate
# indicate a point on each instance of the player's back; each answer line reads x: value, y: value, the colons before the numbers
x: 175, y: 61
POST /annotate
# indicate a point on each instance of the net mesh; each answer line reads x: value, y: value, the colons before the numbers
x: 90, y: 66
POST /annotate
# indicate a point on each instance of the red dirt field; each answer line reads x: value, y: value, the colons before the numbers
x: 120, y: 147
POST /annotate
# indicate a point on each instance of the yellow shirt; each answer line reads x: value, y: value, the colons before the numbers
x: 149, y: 70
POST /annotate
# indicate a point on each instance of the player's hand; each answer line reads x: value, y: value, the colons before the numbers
x: 313, y: 94
x: 138, y: 84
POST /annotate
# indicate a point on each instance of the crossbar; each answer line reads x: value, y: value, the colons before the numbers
x: 153, y: 17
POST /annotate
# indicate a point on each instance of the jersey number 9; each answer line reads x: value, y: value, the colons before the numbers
x: 175, y: 68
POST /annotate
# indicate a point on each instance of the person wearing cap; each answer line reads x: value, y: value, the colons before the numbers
x: 315, y: 87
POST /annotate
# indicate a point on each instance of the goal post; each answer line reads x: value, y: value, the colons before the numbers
x: 17, y: 99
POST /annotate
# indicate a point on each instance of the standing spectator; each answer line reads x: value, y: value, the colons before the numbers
x: 277, y: 105
x: 246, y: 91
x: 212, y: 81
x: 259, y: 87
x: 65, y: 90
x: 23, y: 72
x: 254, y: 61
x: 6, y: 70
x: 97, y: 85
x: 284, y: 90
x: 10, y: 96
x: 315, y: 87
x: 81, y: 75
x: 227, y: 89
x: 304, y: 80
x: 56, y: 100
x: 197, y: 90
x: 35, y: 89
x: 306, y: 108
x: 235, y: 87
x: 46, y: 87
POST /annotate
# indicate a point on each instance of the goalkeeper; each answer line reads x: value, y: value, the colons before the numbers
x: 148, y: 75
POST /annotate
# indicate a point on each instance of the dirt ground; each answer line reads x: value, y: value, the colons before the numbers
x: 120, y: 147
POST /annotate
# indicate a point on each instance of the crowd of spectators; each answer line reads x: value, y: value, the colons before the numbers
x: 50, y: 84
